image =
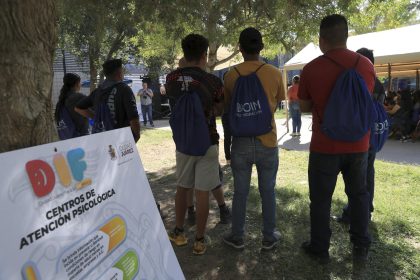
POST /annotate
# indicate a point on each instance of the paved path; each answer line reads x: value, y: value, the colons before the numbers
x: 393, y: 151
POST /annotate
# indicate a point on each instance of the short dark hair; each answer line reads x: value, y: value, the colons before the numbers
x: 367, y: 53
x: 111, y: 66
x: 250, y: 40
x: 334, y: 29
x: 194, y: 46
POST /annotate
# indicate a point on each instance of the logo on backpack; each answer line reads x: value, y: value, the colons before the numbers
x: 189, y: 126
x: 380, y: 127
x: 104, y: 119
x: 250, y: 113
x: 350, y: 112
x: 65, y: 125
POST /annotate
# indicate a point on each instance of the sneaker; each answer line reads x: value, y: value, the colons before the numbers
x: 177, y: 236
x: 293, y: 134
x: 270, y: 243
x: 191, y: 216
x: 234, y: 241
x: 225, y: 215
x: 308, y: 249
x: 360, y: 253
x: 199, y: 247
x: 152, y: 125
x: 297, y: 133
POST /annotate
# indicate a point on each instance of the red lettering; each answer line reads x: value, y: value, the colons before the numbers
x: 41, y: 176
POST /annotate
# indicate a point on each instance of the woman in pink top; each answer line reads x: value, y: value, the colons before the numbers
x: 294, y: 108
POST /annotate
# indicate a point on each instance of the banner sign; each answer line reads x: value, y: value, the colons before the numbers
x: 81, y: 209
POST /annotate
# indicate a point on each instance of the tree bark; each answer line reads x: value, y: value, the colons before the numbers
x: 93, y: 65
x: 27, y: 43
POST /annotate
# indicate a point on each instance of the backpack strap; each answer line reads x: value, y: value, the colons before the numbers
x: 259, y: 67
x: 237, y: 71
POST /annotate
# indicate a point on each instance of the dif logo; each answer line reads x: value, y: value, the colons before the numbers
x: 42, y: 177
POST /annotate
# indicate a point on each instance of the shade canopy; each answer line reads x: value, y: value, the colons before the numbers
x: 397, y: 48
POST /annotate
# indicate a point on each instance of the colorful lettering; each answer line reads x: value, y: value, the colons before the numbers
x: 41, y: 176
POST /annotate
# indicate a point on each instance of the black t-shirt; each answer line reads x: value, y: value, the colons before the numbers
x: 121, y: 102
x: 80, y: 122
x: 208, y: 86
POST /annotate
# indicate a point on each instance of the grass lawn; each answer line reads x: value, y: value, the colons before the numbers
x: 395, y: 229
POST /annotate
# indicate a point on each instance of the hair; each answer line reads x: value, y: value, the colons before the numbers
x: 367, y: 53
x: 250, y: 41
x: 111, y: 66
x: 334, y: 29
x: 69, y: 81
x: 194, y: 46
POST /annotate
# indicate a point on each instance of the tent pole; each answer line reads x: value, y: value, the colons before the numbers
x: 286, y: 106
x: 389, y: 77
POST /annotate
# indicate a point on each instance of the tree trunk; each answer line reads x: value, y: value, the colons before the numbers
x: 27, y: 42
x: 93, y: 65
x: 212, y: 59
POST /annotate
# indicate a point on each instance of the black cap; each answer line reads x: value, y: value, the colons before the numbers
x: 250, y: 40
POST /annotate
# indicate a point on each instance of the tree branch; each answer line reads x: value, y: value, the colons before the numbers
x: 235, y: 52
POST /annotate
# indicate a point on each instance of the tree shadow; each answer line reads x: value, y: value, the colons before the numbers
x: 287, y: 261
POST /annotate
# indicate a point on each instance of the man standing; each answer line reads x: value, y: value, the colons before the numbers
x: 329, y: 157
x: 198, y: 172
x: 116, y: 96
x: 261, y: 150
x: 146, y: 95
x: 378, y: 95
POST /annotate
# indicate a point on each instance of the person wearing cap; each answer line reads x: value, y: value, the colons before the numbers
x: 260, y: 150
x: 121, y: 101
x: 294, y: 108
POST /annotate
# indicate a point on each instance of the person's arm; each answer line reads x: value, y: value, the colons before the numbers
x: 135, y: 128
x: 394, y: 109
x: 150, y: 93
x: 83, y: 106
x: 130, y: 107
x: 87, y: 113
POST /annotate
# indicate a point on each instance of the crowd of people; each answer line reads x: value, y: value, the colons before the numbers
x: 403, y: 108
x: 247, y: 99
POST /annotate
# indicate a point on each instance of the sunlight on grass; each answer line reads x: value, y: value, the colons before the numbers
x: 395, y: 252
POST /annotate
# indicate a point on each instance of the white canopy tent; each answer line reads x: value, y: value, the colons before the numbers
x: 396, y: 51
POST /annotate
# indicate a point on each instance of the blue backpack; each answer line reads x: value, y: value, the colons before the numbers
x: 103, y: 120
x: 349, y: 113
x: 189, y: 124
x: 250, y: 113
x: 65, y: 125
x: 380, y: 127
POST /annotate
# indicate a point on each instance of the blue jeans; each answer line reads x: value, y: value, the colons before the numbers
x: 247, y: 151
x: 147, y: 111
x: 295, y: 113
x: 323, y: 171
